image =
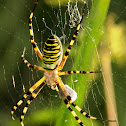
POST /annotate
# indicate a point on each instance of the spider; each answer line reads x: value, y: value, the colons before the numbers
x: 53, y: 62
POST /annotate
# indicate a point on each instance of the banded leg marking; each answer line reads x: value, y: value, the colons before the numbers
x: 64, y: 94
x: 34, y: 94
x: 73, y: 113
x: 71, y: 42
x: 77, y: 72
x: 30, y: 65
x: 84, y: 113
x: 37, y: 84
x: 19, y: 103
x: 32, y: 34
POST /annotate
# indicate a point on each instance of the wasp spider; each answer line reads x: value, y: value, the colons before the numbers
x: 53, y: 62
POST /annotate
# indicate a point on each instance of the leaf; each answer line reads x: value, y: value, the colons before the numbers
x: 86, y: 50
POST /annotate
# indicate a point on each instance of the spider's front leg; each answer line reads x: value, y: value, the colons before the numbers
x: 84, y: 113
x: 77, y: 72
x: 33, y: 96
x: 68, y: 98
x: 63, y: 92
x: 30, y: 91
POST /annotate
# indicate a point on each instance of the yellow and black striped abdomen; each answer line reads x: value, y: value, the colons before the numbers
x: 52, y: 53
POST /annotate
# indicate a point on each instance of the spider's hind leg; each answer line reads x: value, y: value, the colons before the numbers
x: 71, y: 42
x: 32, y: 33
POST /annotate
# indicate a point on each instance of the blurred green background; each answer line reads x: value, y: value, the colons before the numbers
x: 101, y: 45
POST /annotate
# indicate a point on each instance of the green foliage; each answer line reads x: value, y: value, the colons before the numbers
x: 87, y: 50
x: 14, y: 36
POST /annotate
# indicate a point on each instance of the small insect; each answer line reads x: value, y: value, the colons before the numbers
x: 53, y: 62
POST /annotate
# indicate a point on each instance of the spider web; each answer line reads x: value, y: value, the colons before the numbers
x: 61, y: 17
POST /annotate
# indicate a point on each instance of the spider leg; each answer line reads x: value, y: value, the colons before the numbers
x: 32, y: 34
x: 33, y: 96
x: 64, y: 94
x: 78, y: 72
x: 30, y: 65
x: 67, y: 99
x: 84, y: 113
x: 37, y: 84
x: 71, y: 42
x: 73, y: 113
